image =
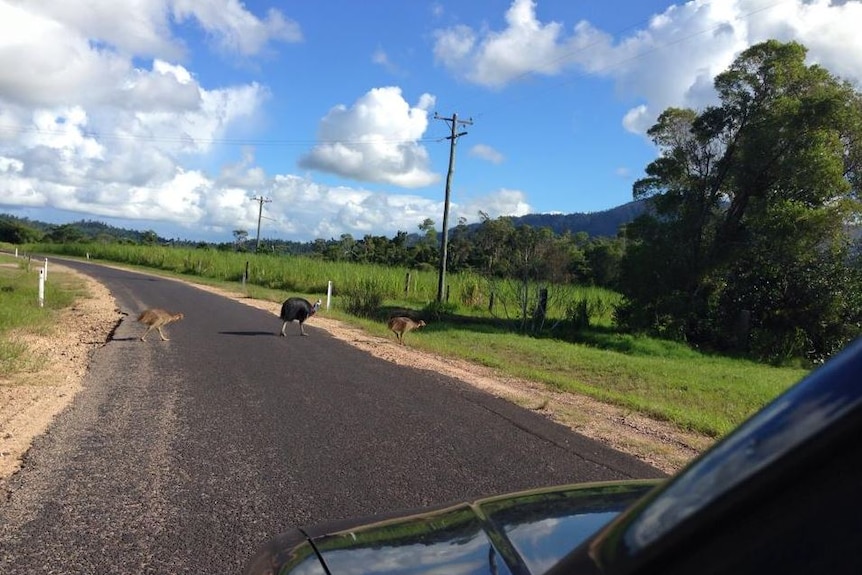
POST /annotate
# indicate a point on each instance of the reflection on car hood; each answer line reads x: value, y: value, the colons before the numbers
x: 526, y: 532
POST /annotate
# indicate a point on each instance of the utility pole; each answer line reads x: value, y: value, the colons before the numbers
x: 261, y: 201
x: 453, y: 122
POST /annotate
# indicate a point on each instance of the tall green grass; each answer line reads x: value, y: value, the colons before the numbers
x: 469, y: 292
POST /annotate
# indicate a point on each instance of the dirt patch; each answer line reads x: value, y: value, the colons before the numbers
x: 29, y: 402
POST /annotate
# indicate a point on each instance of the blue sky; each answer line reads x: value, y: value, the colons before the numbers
x: 172, y: 115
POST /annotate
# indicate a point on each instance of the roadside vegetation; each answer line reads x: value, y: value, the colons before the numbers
x: 20, y: 312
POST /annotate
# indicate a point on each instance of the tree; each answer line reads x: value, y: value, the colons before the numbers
x: 17, y: 233
x: 603, y: 258
x: 753, y: 192
x: 490, y: 242
x: 66, y: 234
x: 239, y: 238
x: 149, y: 238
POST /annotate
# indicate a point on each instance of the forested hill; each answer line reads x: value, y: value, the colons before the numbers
x: 605, y: 223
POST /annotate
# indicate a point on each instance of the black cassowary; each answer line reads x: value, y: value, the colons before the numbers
x: 299, y: 309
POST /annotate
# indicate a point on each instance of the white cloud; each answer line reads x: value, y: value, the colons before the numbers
x: 487, y: 153
x: 526, y: 46
x: 671, y: 62
x: 43, y: 62
x: 139, y: 27
x: 88, y: 128
x: 375, y: 140
x: 381, y: 58
x: 503, y: 202
x: 235, y: 28
x: 302, y: 208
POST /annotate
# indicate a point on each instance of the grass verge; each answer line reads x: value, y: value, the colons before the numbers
x: 20, y: 312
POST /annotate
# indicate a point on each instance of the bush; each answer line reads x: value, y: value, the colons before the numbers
x: 578, y: 314
x: 437, y: 310
x: 470, y: 293
x: 363, y: 298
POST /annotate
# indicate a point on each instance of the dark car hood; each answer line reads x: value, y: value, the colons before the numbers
x: 526, y: 532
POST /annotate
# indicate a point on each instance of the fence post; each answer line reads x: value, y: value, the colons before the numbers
x: 328, y: 293
x: 46, y: 269
x: 42, y: 288
x: 541, y: 310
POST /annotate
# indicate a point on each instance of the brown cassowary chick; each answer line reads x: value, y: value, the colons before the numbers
x: 299, y: 309
x: 157, y: 319
x: 402, y: 324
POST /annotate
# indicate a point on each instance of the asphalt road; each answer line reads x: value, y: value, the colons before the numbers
x: 184, y: 456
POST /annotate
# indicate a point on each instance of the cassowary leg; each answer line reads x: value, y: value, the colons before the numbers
x: 162, y: 335
x: 283, y: 326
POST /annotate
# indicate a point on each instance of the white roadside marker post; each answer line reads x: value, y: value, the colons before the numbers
x: 42, y: 288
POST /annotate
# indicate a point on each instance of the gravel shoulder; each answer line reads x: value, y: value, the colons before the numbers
x: 30, y: 401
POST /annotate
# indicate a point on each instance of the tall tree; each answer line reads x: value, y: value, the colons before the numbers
x: 777, y: 158
x: 239, y: 237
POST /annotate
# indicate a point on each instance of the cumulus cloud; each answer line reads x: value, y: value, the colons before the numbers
x: 503, y: 202
x: 94, y: 121
x: 100, y: 117
x: 375, y: 140
x: 670, y: 62
x: 497, y: 58
x: 487, y: 153
x: 235, y: 28
x: 303, y: 208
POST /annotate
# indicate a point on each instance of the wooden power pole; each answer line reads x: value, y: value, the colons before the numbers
x: 260, y: 200
x: 453, y: 122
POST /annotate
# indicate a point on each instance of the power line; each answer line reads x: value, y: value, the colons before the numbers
x: 9, y: 129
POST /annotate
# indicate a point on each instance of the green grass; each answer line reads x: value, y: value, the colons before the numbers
x: 663, y: 380
x: 710, y: 395
x: 20, y: 311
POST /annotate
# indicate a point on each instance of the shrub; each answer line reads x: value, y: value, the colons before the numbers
x: 437, y: 310
x: 363, y: 298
